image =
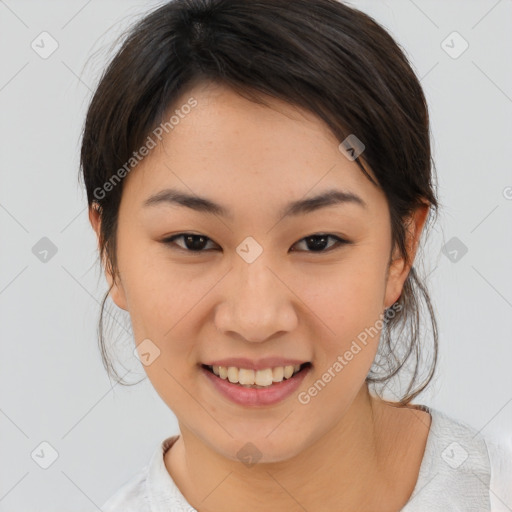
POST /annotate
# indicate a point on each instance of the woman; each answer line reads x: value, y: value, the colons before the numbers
x: 259, y: 177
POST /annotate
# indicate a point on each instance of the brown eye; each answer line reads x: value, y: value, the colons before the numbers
x: 191, y: 242
x: 318, y: 242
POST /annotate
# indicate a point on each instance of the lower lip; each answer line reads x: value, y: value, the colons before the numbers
x: 257, y: 396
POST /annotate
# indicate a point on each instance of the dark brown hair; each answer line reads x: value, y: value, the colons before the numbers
x: 320, y: 55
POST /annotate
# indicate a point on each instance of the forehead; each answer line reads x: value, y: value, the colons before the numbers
x: 229, y: 148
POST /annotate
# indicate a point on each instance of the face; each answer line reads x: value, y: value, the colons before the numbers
x: 253, y: 283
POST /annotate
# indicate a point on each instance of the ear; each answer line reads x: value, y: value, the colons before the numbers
x: 117, y: 293
x: 398, y: 270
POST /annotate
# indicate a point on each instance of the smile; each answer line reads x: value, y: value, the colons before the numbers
x: 240, y: 385
x: 255, y: 378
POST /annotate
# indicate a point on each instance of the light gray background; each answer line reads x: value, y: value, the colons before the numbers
x: 54, y: 388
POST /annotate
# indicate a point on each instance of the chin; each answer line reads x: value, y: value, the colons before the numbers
x: 260, y: 448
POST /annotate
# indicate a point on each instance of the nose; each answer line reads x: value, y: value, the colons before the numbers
x: 257, y: 304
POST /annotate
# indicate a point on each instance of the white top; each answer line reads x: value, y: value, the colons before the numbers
x: 461, y: 470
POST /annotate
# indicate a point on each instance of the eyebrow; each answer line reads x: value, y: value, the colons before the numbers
x: 332, y: 197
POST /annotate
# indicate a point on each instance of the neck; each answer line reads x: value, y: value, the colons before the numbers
x: 343, y: 469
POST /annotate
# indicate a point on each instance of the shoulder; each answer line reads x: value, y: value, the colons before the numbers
x: 461, y: 467
x: 500, y: 457
x: 142, y: 491
x: 131, y: 497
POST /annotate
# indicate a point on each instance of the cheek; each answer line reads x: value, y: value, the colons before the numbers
x: 154, y: 289
x: 170, y: 308
x: 347, y: 302
x: 346, y: 295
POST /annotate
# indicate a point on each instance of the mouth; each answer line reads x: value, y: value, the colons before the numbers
x: 256, y: 379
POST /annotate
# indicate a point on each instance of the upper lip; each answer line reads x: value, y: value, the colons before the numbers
x: 260, y: 364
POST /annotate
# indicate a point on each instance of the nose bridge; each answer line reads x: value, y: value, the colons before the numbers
x: 257, y: 304
x: 257, y: 286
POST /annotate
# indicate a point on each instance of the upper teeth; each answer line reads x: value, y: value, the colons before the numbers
x: 248, y: 377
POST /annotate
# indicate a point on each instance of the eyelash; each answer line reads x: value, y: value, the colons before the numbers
x: 340, y: 242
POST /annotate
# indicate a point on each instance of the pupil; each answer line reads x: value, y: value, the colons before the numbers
x: 195, y: 246
x: 318, y: 242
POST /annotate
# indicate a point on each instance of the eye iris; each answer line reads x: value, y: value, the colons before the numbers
x: 193, y: 239
x: 317, y: 242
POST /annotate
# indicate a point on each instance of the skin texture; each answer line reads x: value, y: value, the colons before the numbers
x: 345, y: 449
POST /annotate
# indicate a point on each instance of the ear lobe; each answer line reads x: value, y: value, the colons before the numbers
x: 117, y: 293
x: 397, y: 269
x: 415, y: 228
x: 396, y: 276
x: 95, y: 220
